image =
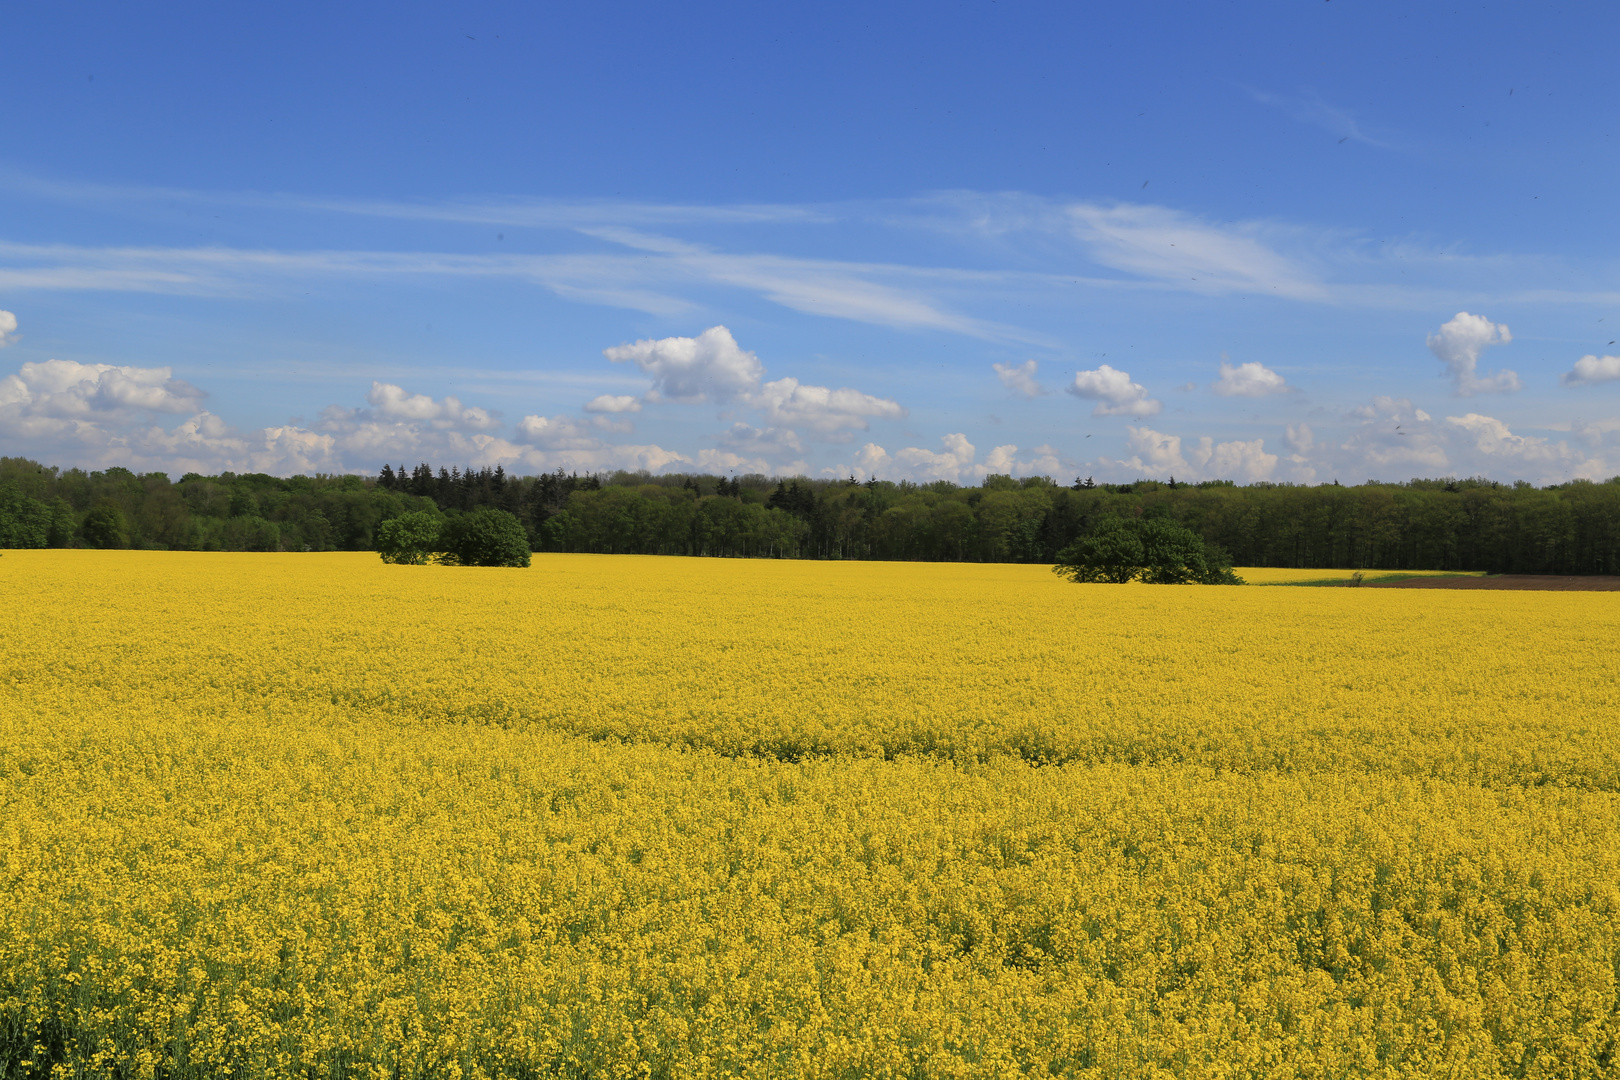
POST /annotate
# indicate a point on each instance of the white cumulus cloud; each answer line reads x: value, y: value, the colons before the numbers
x: 205, y: 443
x: 1252, y: 379
x: 613, y: 403
x: 818, y: 408
x: 551, y: 442
x: 1155, y: 453
x: 1396, y: 440
x: 392, y: 402
x: 1242, y: 459
x: 871, y: 458
x: 1046, y: 461
x: 948, y: 464
x: 954, y: 462
x: 97, y: 415
x: 724, y: 461
x: 8, y: 328
x: 772, y: 442
x: 605, y: 457
x: 713, y: 368
x: 1114, y: 393
x: 1020, y: 379
x: 1458, y: 345
x: 557, y: 433
x: 1393, y: 433
x: 67, y: 389
x: 709, y: 367
x: 1497, y: 448
x: 1593, y: 369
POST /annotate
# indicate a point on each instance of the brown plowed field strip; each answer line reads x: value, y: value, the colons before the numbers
x: 1543, y: 582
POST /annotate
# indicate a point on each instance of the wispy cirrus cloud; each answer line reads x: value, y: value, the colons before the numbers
x: 846, y: 290
x: 1168, y: 245
x: 561, y: 214
x: 663, y: 258
x: 512, y: 211
x: 1148, y: 245
x: 650, y: 280
x: 1154, y: 243
x: 1309, y: 107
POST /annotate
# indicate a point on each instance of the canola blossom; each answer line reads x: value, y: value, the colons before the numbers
x: 313, y: 815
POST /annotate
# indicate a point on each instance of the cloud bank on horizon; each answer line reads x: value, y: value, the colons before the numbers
x: 102, y: 414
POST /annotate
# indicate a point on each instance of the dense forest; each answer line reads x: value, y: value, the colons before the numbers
x: 1477, y: 524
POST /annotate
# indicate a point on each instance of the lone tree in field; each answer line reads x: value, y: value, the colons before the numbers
x: 411, y: 539
x: 485, y: 537
x: 1157, y: 551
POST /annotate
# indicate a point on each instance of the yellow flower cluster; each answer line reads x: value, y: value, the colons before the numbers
x: 317, y: 816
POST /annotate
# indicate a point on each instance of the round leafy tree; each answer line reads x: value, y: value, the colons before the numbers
x: 485, y: 537
x: 411, y: 539
x: 106, y: 527
x: 1158, y: 551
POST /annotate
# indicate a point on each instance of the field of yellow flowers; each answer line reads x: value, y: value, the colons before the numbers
x: 316, y: 816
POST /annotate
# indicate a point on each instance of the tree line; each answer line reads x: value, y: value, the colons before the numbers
x: 1444, y: 524
x: 42, y: 506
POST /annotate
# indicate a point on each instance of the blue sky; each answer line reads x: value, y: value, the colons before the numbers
x: 1286, y: 241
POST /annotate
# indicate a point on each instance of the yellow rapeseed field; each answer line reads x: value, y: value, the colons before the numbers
x: 316, y: 816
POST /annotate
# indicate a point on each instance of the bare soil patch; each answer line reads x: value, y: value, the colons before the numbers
x: 1544, y: 582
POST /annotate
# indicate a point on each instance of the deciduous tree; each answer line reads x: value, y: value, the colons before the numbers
x: 485, y: 537
x: 1158, y: 551
x: 106, y: 527
x: 411, y: 539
